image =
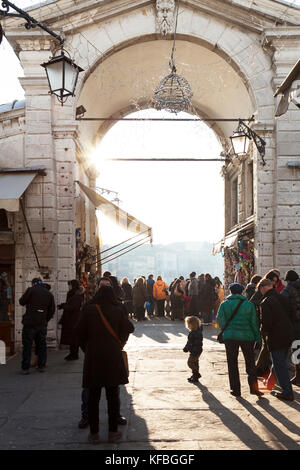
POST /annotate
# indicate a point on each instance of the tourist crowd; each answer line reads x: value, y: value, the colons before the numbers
x: 264, y: 323
x: 147, y: 298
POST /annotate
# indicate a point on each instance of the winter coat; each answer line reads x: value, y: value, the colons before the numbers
x: 201, y: 302
x: 150, y: 284
x: 194, y: 344
x: 127, y: 288
x: 40, y: 306
x: 280, y: 286
x: 250, y: 290
x: 176, y: 289
x: 256, y: 300
x: 158, y: 290
x: 220, y: 293
x: 292, y: 293
x: 139, y: 295
x: 70, y: 316
x: 103, y: 361
x: 208, y: 296
x: 220, y: 297
x: 276, y: 324
x: 176, y: 300
x: 193, y: 287
x: 244, y: 326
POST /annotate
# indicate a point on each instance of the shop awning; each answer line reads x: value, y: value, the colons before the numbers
x: 117, y: 215
x: 217, y: 247
x: 230, y: 241
x: 289, y: 89
x: 12, y: 187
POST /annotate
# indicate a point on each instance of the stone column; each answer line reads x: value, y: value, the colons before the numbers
x: 40, y: 198
x: 287, y: 226
x: 64, y: 135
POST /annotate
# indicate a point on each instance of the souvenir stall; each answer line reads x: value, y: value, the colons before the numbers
x: 239, y: 259
x: 86, y: 260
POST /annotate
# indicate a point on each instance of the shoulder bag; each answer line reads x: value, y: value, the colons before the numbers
x: 220, y: 335
x: 113, y: 333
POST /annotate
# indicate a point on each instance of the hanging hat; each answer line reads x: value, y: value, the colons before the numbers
x: 236, y: 288
x: 291, y: 275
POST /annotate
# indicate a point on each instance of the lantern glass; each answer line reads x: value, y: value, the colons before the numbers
x: 55, y: 76
x: 240, y: 143
x: 71, y: 76
x: 62, y: 76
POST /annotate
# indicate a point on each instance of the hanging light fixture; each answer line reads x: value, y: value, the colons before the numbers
x: 241, y: 139
x: 174, y: 93
x: 62, y: 74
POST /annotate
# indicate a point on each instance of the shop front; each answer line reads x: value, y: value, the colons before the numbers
x: 7, y: 282
x: 237, y: 249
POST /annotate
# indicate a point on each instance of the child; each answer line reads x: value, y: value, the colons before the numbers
x: 194, y: 346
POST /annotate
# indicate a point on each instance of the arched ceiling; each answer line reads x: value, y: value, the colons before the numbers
x: 129, y: 77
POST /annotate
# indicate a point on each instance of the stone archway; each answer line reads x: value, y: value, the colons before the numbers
x: 241, y: 86
x: 243, y: 36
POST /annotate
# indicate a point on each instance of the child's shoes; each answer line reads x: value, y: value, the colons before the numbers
x: 194, y: 378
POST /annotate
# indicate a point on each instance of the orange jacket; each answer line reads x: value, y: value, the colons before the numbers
x: 158, y: 292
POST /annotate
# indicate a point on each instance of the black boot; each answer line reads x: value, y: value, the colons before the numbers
x: 194, y: 379
x: 83, y: 423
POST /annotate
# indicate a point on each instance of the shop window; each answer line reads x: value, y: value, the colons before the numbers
x: 234, y: 202
x: 250, y: 192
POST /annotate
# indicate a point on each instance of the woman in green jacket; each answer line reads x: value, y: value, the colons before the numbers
x: 242, y: 331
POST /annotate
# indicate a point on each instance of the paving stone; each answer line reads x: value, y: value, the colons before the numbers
x: 164, y: 411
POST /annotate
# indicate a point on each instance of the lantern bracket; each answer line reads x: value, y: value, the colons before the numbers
x: 259, y: 142
x: 30, y: 21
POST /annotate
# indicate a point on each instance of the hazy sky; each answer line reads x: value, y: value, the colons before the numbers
x: 182, y: 201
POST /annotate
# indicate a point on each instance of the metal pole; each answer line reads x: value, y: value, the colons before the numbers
x: 31, y: 22
x: 167, y: 159
x: 166, y: 119
x: 30, y: 235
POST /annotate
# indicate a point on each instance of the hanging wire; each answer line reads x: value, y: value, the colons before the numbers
x: 172, y: 62
x: 126, y: 247
x: 100, y: 261
x: 125, y: 252
x: 125, y: 241
x: 97, y: 257
x: 174, y: 93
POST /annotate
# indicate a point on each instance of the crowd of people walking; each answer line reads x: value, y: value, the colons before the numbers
x: 264, y: 323
x: 147, y: 298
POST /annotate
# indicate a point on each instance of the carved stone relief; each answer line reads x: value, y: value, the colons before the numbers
x: 165, y: 10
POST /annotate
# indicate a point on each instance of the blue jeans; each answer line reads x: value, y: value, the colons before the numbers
x: 150, y: 309
x: 280, y: 365
x: 38, y: 335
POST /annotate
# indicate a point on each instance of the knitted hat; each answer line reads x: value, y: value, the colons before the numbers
x: 236, y: 288
x: 291, y: 276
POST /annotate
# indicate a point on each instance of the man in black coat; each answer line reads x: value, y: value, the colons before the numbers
x: 292, y: 294
x: 103, y: 363
x: 278, y: 331
x: 40, y: 308
x: 84, y: 422
x: 71, y: 312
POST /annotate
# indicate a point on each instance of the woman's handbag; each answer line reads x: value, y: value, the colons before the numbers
x: 112, y: 332
x: 220, y: 335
